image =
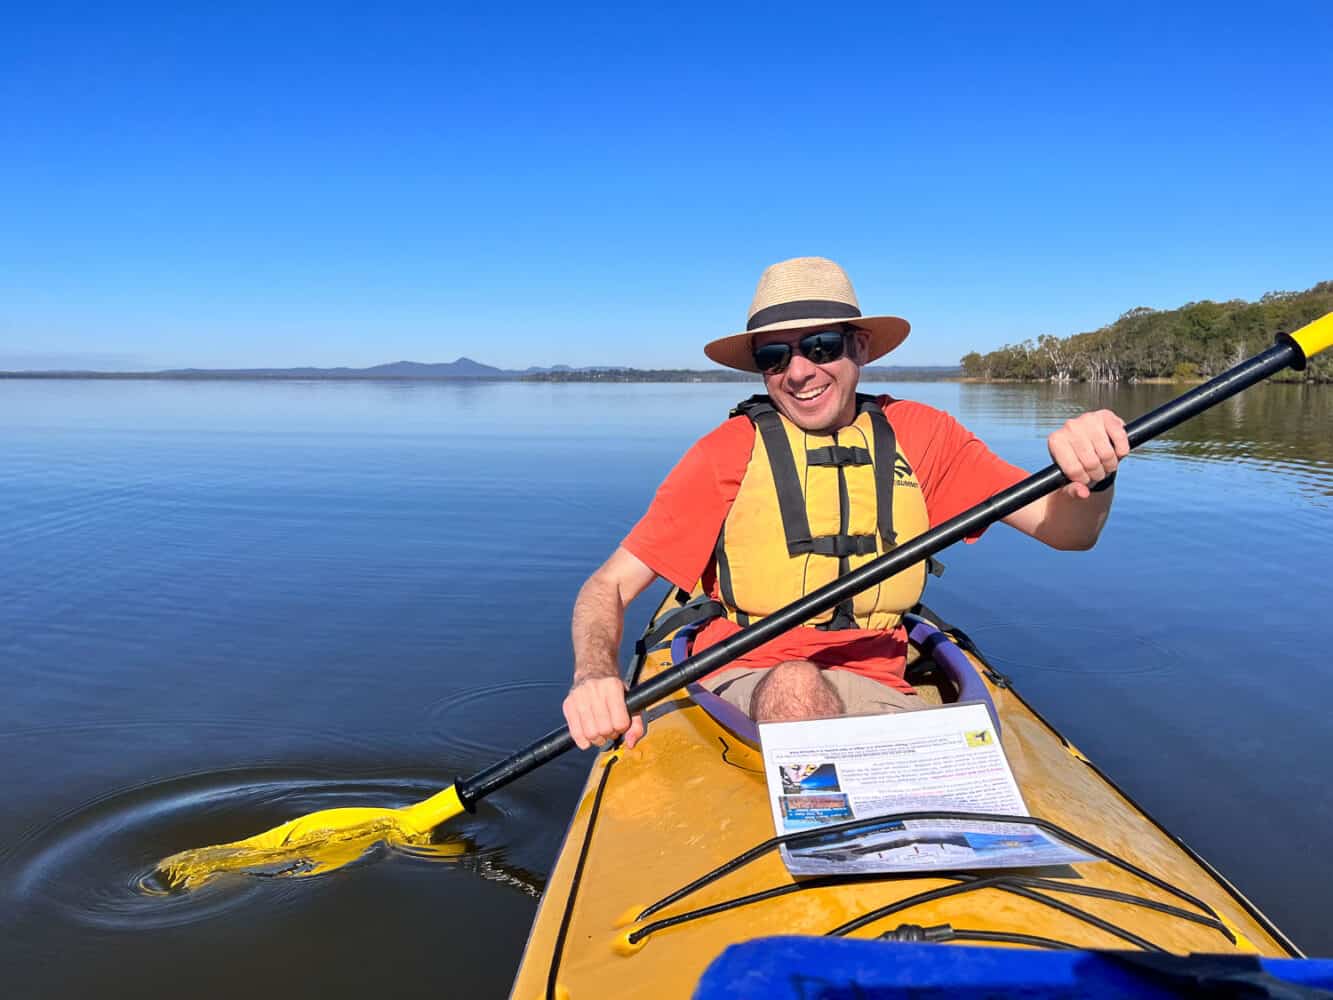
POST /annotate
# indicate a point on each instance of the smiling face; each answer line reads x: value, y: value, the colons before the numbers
x: 816, y: 398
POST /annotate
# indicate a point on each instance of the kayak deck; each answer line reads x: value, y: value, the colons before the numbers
x: 691, y: 798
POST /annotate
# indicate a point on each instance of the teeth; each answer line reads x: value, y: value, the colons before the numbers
x: 810, y: 394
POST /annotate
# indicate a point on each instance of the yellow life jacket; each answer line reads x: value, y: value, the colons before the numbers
x: 814, y: 507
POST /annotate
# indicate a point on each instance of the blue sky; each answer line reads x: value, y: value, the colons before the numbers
x: 324, y: 184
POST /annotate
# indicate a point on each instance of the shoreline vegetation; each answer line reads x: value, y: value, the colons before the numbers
x: 1189, y: 344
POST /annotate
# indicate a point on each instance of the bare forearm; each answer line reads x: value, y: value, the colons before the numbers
x: 598, y: 623
x: 595, y: 707
x: 1070, y: 523
x: 1088, y: 450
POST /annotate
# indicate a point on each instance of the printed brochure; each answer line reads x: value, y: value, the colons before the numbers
x: 948, y: 758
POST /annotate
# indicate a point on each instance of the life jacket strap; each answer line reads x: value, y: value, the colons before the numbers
x: 791, y: 497
x: 838, y: 455
x: 879, y: 452
x: 725, y: 589
x: 842, y: 619
x: 700, y: 609
x: 886, y: 458
x: 836, y: 545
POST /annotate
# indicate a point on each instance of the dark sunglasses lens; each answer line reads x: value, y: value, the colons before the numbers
x: 772, y: 358
x: 823, y: 347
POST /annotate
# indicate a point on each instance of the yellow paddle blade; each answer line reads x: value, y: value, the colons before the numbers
x: 308, y: 845
x: 1315, y: 337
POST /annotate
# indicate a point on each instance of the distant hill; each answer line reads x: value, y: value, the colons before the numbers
x: 462, y: 368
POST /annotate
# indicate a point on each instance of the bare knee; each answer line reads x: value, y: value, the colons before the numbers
x: 794, y: 690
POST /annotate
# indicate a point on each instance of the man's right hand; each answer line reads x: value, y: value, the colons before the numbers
x: 595, y: 710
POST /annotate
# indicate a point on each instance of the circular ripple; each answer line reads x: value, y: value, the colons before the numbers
x: 1073, y: 649
x: 96, y: 865
x: 482, y: 719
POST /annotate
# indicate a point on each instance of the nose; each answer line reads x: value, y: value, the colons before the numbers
x: 800, y: 367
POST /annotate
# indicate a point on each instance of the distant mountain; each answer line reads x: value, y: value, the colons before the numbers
x: 563, y: 369
x: 462, y: 368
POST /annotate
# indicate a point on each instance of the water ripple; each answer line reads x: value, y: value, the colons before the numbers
x: 95, y: 865
x: 480, y: 719
x: 1073, y: 649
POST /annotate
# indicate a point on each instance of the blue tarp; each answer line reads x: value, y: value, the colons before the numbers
x: 818, y: 968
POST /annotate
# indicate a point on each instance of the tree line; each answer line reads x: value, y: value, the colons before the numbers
x: 1196, y: 341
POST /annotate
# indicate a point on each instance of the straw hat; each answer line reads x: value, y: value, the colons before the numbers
x: 805, y: 293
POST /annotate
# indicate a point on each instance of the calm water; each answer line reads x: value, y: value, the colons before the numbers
x: 225, y: 604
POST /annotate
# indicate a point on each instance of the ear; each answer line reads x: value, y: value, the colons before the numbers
x: 861, y: 338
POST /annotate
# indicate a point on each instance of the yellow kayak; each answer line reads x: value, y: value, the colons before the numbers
x: 669, y: 857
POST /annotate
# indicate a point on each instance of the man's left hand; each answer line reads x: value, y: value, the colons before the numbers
x: 1087, y: 449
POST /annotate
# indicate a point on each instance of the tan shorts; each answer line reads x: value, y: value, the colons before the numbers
x: 860, y: 695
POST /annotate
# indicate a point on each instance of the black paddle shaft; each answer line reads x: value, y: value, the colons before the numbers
x: 1285, y: 353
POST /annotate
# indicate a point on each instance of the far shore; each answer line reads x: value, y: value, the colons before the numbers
x: 618, y: 376
x: 621, y: 378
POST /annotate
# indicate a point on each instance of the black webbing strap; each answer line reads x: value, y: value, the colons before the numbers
x: 838, y: 455
x: 928, y: 615
x: 700, y: 609
x: 886, y: 457
x: 791, y: 494
x: 724, y: 577
x: 841, y: 545
x: 743, y: 408
x: 842, y: 619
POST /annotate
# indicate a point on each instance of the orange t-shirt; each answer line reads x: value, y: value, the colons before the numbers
x: 676, y: 537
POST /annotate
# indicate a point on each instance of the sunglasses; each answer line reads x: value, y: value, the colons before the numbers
x: 819, y: 347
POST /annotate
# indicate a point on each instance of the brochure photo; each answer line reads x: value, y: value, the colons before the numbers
x: 948, y: 758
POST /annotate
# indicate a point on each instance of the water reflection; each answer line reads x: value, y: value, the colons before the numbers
x: 1283, y: 430
x: 1286, y: 430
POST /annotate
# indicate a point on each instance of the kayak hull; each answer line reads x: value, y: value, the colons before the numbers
x: 691, y: 797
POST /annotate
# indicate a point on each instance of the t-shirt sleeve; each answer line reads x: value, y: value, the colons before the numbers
x: 955, y: 468
x: 676, y: 537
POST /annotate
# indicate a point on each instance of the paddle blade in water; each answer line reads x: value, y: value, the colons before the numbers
x: 308, y: 845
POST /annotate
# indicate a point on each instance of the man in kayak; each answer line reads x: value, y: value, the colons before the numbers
x: 804, y: 485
